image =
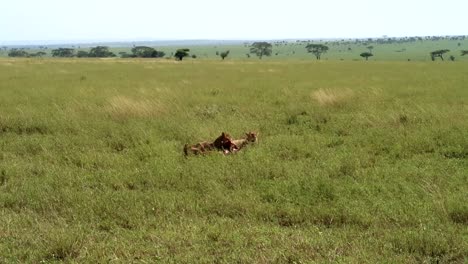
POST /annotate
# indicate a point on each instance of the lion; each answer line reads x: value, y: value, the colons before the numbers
x: 199, y: 148
x: 250, y: 137
x: 223, y: 143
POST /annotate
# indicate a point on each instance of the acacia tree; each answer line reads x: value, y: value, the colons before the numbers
x: 124, y: 54
x: 317, y: 49
x: 101, y: 52
x: 146, y: 52
x: 38, y: 54
x: 181, y: 53
x: 366, y: 55
x: 261, y: 49
x: 63, y: 52
x: 224, y: 54
x: 18, y: 53
x: 82, y: 54
x: 370, y: 48
x: 438, y: 53
x: 464, y: 52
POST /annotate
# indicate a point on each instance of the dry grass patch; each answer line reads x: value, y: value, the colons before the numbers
x: 122, y: 107
x: 335, y: 97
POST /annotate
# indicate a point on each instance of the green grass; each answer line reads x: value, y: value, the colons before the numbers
x: 356, y: 162
x: 413, y: 51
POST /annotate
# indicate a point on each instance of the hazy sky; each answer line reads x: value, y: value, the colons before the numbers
x: 218, y: 19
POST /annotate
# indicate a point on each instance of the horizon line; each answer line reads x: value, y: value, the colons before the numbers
x: 130, y: 40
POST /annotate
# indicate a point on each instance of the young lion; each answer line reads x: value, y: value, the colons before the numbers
x: 199, y: 148
x: 223, y: 143
x: 250, y: 137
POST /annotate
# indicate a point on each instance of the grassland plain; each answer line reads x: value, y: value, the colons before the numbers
x: 413, y: 51
x: 357, y: 162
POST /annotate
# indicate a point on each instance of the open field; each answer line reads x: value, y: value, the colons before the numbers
x: 417, y: 51
x: 356, y: 162
x: 347, y: 51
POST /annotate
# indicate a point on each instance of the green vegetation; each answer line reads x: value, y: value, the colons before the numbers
x: 101, y: 52
x: 261, y: 49
x: 317, y: 49
x: 388, y: 49
x: 356, y: 162
x: 82, y: 54
x: 63, y: 52
x: 17, y: 53
x: 438, y: 54
x: 146, y: 52
x: 366, y: 55
x: 182, y: 53
x: 224, y: 54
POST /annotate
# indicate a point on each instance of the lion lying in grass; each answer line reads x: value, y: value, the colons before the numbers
x: 223, y: 143
x: 250, y: 137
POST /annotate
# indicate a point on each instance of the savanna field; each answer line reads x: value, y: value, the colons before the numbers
x: 356, y: 162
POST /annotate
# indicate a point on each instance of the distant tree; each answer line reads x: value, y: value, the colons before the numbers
x: 366, y: 55
x: 63, y: 52
x: 101, y: 52
x: 82, y: 54
x: 124, y: 54
x: 370, y: 48
x: 452, y: 58
x: 438, y: 53
x: 261, y: 49
x: 146, y: 52
x: 248, y: 55
x: 159, y: 54
x: 224, y: 54
x: 181, y: 54
x: 317, y: 49
x: 18, y: 53
x: 217, y: 53
x: 38, y: 54
x: 194, y: 56
x: 464, y: 52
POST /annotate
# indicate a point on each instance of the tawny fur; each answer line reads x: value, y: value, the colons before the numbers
x: 250, y: 137
x: 223, y: 143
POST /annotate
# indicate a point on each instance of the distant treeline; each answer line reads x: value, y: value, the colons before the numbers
x: 25, y: 54
x: 96, y: 52
x: 367, y: 41
x: 259, y: 49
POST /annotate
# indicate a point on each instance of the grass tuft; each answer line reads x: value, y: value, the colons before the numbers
x: 458, y: 213
x: 123, y: 108
x: 332, y: 97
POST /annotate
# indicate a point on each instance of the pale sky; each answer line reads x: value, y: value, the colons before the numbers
x: 59, y: 20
